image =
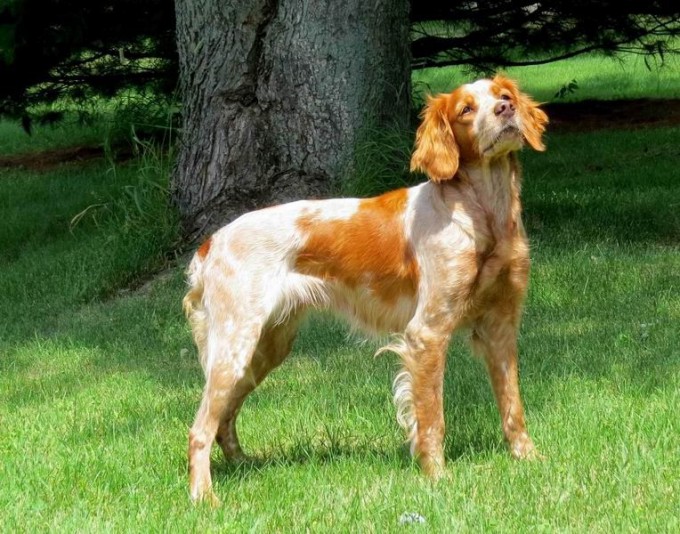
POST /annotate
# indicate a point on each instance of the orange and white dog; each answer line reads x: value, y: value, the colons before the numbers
x: 423, y: 262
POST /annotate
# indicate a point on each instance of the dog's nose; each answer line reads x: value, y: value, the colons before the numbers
x: 504, y: 108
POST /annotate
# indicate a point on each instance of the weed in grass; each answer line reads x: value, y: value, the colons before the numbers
x: 134, y: 117
x: 382, y: 158
x: 567, y: 89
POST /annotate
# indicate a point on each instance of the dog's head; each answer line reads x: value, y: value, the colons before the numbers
x: 483, y: 120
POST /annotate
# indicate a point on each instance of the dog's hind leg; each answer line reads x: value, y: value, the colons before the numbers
x: 274, y: 345
x: 230, y: 345
x: 419, y: 392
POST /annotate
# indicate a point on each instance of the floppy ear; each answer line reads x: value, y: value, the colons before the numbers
x: 532, y: 117
x: 534, y: 120
x: 436, y: 152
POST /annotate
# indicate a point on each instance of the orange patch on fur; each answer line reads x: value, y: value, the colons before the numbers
x: 204, y: 248
x: 368, y: 249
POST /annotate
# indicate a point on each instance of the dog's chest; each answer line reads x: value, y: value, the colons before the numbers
x: 502, y: 259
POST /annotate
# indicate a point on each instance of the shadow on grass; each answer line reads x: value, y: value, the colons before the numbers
x: 644, y: 222
x: 306, y: 453
x: 609, y: 186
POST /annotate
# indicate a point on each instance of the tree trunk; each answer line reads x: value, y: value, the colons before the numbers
x: 275, y: 93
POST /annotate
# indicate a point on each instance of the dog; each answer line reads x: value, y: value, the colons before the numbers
x: 419, y: 262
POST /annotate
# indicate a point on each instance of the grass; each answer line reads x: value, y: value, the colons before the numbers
x: 99, y: 382
x: 98, y: 227
x: 98, y: 122
x: 14, y: 140
x: 598, y: 77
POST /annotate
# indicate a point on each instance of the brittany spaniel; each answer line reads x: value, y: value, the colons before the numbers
x: 421, y: 262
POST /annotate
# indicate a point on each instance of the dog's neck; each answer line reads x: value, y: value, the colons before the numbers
x: 496, y: 187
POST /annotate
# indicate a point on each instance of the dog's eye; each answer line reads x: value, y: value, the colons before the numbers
x: 466, y: 110
x: 505, y: 97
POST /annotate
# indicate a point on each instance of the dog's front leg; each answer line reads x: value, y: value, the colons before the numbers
x: 495, y: 337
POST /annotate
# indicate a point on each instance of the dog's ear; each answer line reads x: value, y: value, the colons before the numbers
x: 532, y: 117
x: 533, y: 120
x: 436, y: 152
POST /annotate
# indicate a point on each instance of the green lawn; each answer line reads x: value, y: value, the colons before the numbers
x: 598, y: 77
x: 99, y: 383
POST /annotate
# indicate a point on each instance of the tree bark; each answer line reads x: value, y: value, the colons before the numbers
x: 275, y: 93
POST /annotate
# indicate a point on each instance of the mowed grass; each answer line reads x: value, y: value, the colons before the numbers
x: 598, y: 77
x: 99, y: 381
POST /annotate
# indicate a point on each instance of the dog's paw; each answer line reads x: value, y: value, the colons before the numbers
x: 432, y: 466
x: 206, y: 497
x: 523, y: 448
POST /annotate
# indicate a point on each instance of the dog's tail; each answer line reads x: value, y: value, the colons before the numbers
x: 194, y: 305
x: 403, y: 390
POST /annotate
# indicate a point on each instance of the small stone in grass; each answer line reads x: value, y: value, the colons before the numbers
x: 411, y: 518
